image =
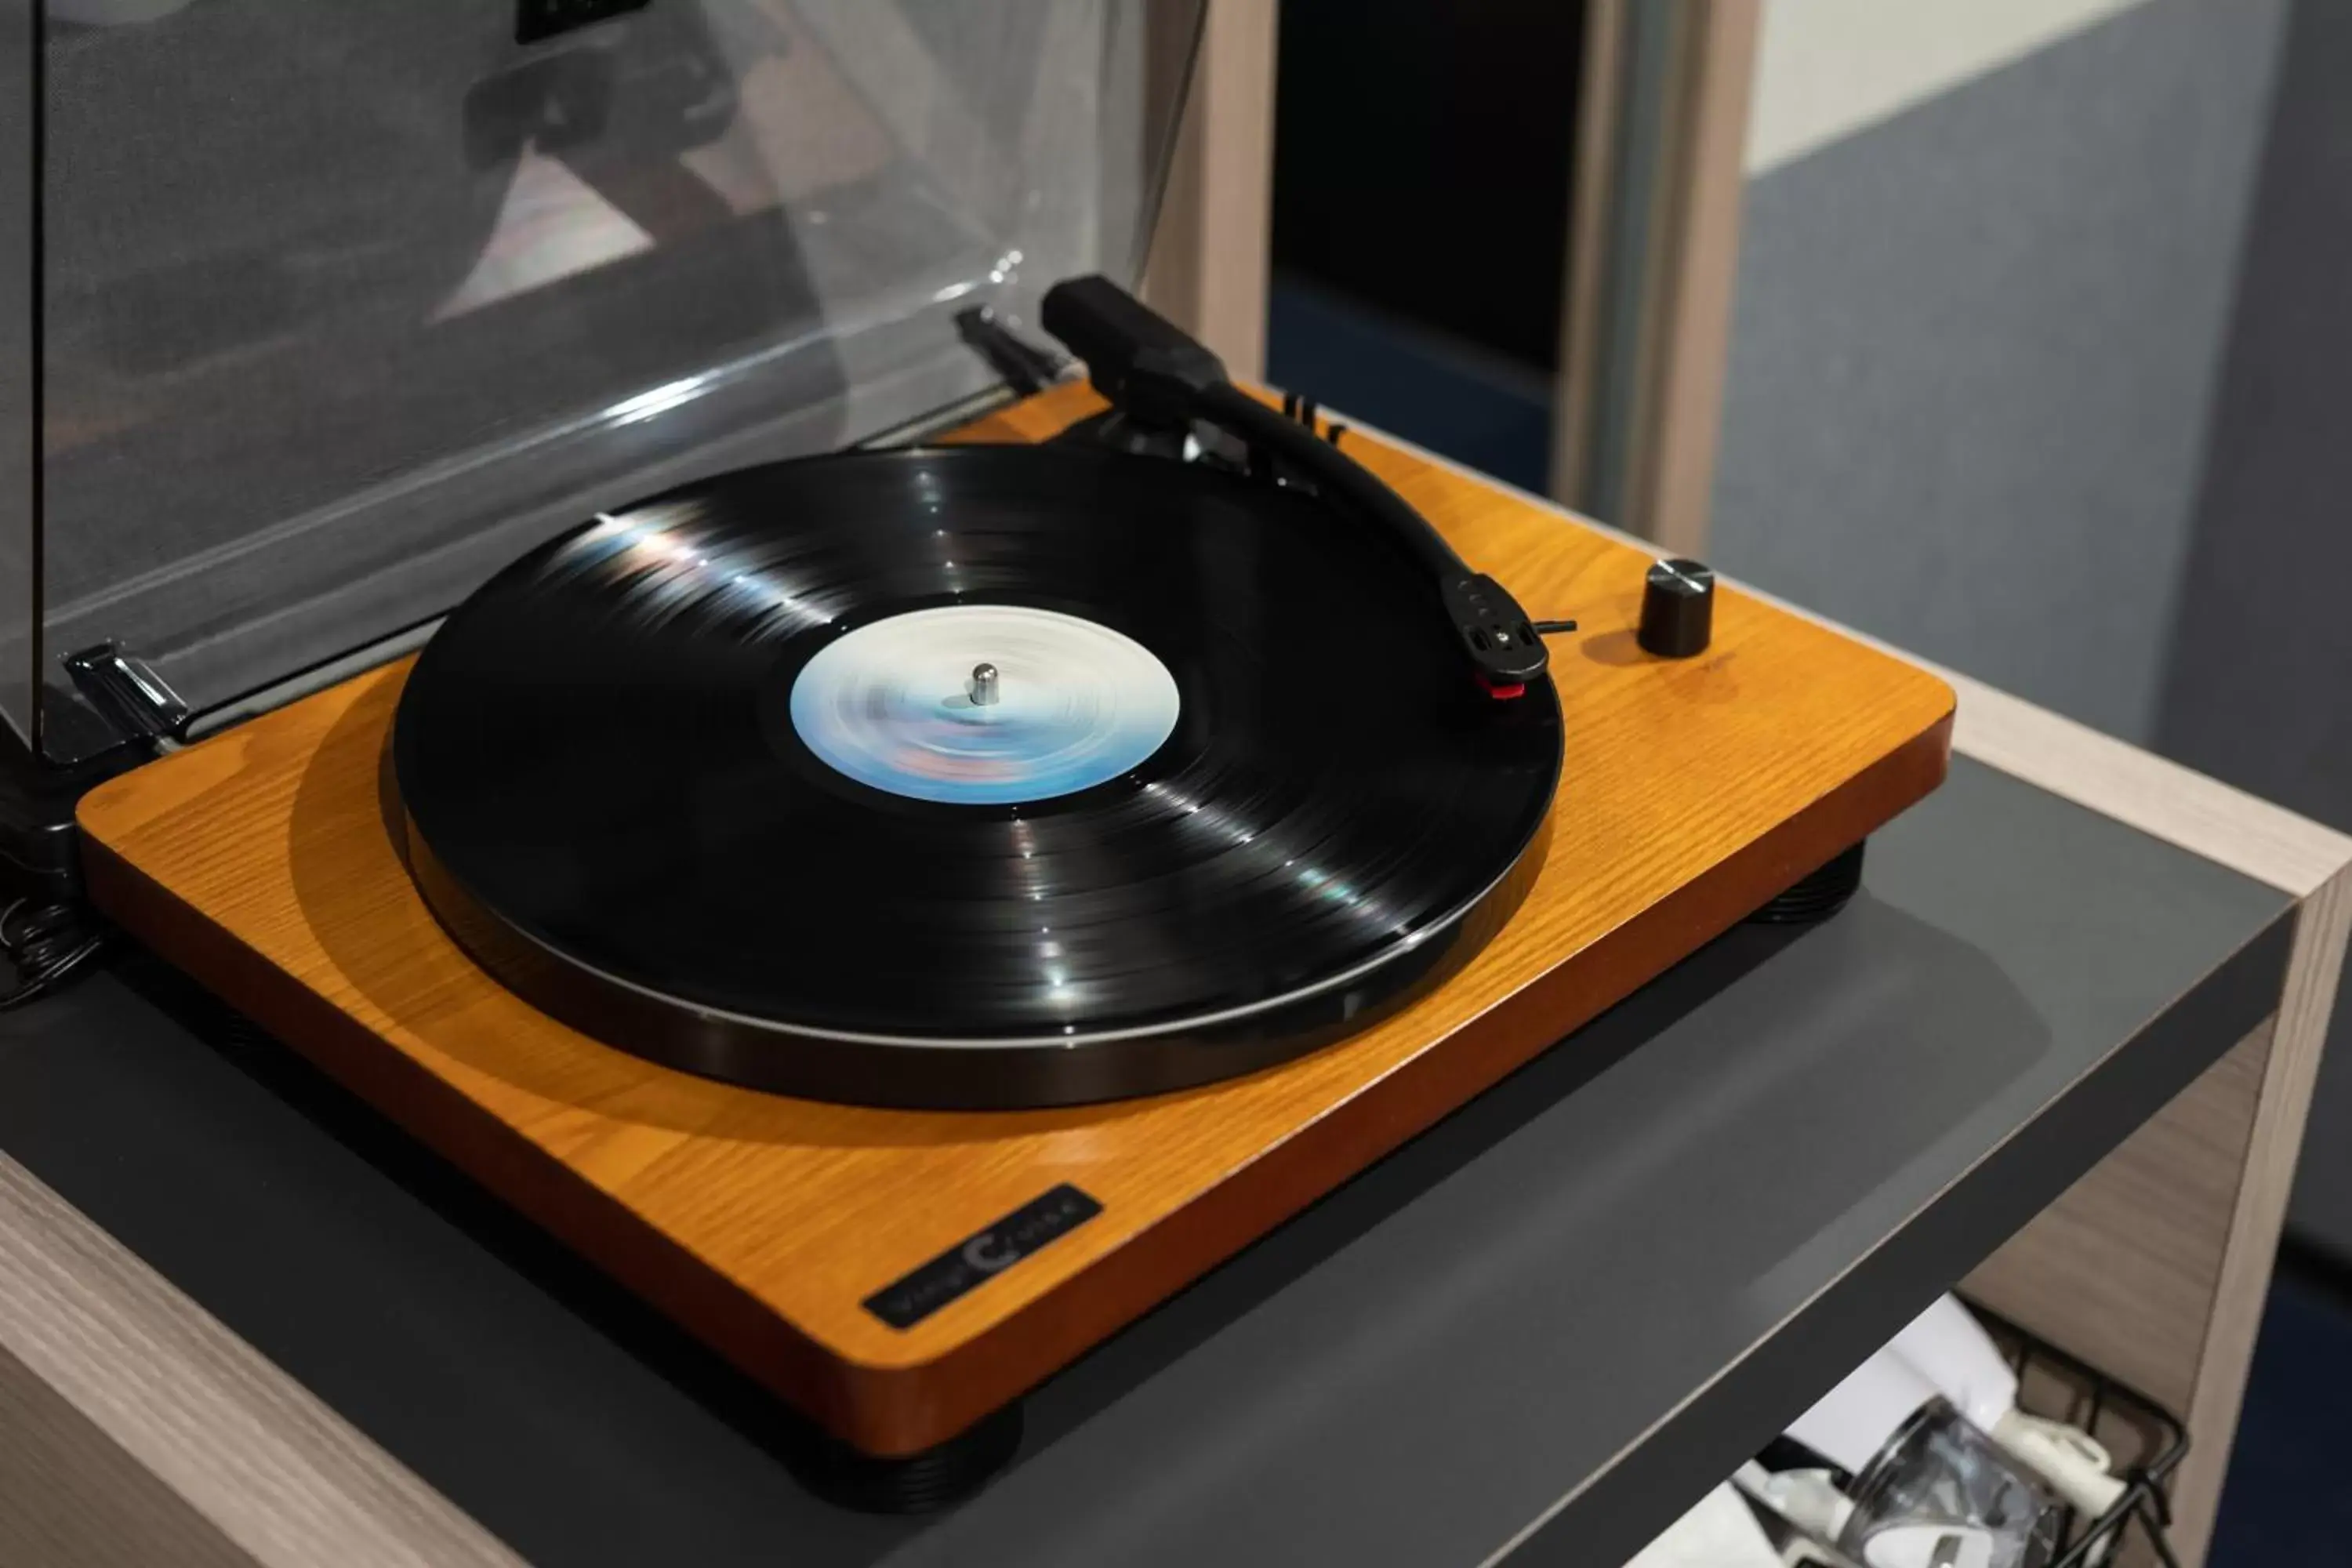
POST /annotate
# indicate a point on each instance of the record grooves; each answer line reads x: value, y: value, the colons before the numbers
x: 707, y: 779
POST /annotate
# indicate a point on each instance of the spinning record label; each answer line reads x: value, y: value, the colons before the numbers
x: 984, y: 704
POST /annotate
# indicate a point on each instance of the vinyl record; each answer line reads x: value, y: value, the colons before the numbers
x: 977, y: 777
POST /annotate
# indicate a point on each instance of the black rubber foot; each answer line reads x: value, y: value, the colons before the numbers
x: 920, y: 1483
x: 1818, y: 896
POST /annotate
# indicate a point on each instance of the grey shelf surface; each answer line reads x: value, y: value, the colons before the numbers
x: 1540, y: 1329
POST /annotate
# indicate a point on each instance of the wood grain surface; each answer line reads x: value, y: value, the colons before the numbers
x: 137, y: 1432
x: 1212, y: 248
x: 2157, y: 1264
x: 2314, y: 969
x: 260, y: 861
x: 2122, y: 1270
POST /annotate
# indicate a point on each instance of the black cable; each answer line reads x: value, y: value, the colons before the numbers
x: 45, y: 944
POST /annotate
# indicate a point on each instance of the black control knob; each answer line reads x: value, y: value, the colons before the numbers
x: 1677, y: 609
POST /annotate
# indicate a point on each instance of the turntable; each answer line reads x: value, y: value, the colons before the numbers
x: 907, y: 912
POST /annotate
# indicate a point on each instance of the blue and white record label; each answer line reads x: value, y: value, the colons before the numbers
x: 985, y: 704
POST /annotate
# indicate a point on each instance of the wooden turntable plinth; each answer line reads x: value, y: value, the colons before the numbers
x: 777, y: 1229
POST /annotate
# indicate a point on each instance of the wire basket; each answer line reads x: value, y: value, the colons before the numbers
x: 2147, y: 1440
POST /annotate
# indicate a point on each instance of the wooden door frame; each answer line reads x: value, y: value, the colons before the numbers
x: 1654, y: 251
x: 1211, y: 251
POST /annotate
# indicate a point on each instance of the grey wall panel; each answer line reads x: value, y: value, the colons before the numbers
x: 2263, y: 628
x: 1974, y: 350
x: 2260, y: 687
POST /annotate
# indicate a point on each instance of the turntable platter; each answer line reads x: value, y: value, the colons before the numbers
x: 975, y: 776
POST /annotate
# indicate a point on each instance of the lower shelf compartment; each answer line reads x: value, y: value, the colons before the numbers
x: 2147, y: 1441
